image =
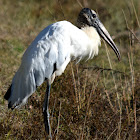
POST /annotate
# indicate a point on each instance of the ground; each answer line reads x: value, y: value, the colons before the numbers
x: 98, y: 99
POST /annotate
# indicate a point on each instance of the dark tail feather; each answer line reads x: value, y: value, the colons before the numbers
x: 8, y: 93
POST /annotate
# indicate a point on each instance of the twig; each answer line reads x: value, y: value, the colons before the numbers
x: 111, y: 134
x: 52, y: 14
x: 135, y: 13
x: 97, y: 68
x: 75, y: 87
x: 89, y: 99
x: 80, y: 4
x: 110, y: 101
x: 126, y: 33
x: 78, y: 81
x: 53, y: 112
x: 58, y: 121
x: 128, y: 27
x: 61, y: 9
x: 114, y: 80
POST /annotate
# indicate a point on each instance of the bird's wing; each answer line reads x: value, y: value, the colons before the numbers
x: 51, y: 50
x: 47, y: 51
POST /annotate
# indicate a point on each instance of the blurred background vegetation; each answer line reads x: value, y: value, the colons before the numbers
x: 98, y: 99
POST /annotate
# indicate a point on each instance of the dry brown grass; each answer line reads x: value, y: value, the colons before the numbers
x: 98, y: 99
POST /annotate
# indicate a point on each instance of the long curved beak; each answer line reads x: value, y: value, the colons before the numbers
x: 106, y: 36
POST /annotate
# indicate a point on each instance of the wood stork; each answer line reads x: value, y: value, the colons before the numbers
x: 51, y: 51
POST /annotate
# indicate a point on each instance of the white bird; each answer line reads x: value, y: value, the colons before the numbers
x: 49, y: 54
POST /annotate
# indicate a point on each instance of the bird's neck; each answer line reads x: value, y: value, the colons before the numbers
x: 94, y: 37
x: 92, y: 34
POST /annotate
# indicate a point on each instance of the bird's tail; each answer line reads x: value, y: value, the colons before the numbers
x: 21, y: 88
x: 8, y: 94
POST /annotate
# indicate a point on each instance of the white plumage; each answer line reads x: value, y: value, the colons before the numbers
x: 51, y: 51
x: 58, y: 43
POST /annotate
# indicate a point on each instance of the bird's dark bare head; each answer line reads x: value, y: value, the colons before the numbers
x: 86, y: 17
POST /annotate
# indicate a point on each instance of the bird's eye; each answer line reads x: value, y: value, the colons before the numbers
x: 94, y: 15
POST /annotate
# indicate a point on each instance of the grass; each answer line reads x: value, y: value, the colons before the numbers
x: 98, y: 99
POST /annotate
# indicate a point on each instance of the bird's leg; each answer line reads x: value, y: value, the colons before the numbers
x: 46, y: 110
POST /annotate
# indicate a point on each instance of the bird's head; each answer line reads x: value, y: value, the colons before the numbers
x: 88, y: 17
